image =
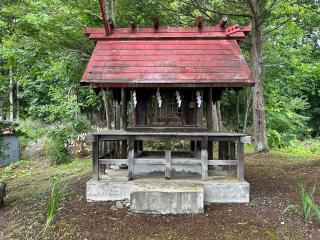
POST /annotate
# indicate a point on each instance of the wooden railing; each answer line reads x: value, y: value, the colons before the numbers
x: 232, y: 148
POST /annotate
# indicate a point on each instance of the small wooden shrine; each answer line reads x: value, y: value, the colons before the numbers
x: 165, y: 79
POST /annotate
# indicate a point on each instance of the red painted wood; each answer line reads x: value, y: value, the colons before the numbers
x: 160, y: 35
x: 142, y: 63
x: 165, y: 30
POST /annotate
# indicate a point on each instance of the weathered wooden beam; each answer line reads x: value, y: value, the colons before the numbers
x: 168, y: 159
x: 131, y: 159
x: 104, y: 18
x: 199, y: 21
x: 204, y: 158
x: 223, y: 22
x: 95, y: 158
x: 240, y: 157
x: 155, y: 23
x: 223, y: 162
x: 117, y: 161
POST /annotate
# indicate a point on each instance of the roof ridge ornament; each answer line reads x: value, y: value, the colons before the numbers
x: 232, y: 29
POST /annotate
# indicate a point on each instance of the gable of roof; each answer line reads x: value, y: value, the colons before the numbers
x: 166, y: 59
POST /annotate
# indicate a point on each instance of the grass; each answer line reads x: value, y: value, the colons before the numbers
x: 308, y: 206
x: 53, y: 205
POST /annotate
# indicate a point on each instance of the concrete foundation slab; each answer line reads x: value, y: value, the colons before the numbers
x: 107, y: 190
x: 154, y: 194
x: 167, y: 198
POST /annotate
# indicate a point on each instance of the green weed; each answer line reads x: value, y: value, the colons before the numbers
x: 53, y: 204
x: 308, y: 206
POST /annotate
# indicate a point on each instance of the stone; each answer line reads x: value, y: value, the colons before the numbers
x: 119, y: 204
x: 107, y: 190
x: 167, y: 198
x: 2, y: 192
x: 226, y: 191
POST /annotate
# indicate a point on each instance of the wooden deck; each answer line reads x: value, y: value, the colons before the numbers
x: 231, y: 150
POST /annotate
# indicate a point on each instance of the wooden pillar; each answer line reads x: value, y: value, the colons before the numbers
x: 210, y: 150
x: 131, y: 159
x: 124, y: 122
x: 240, y: 157
x: 209, y: 110
x: 133, y: 113
x: 95, y: 158
x: 168, y: 159
x: 232, y: 150
x: 192, y: 146
x: 124, y: 109
x: 204, y: 158
x: 223, y: 150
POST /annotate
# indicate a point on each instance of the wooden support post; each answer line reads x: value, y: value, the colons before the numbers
x: 95, y: 158
x: 204, y: 158
x: 124, y: 122
x: 168, y: 159
x: 209, y: 111
x: 210, y: 150
x: 224, y: 150
x: 232, y: 150
x: 240, y: 157
x: 133, y: 113
x: 131, y: 159
x: 192, y: 146
x: 124, y: 116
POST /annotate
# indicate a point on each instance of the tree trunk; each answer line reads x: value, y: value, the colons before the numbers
x: 215, y: 117
x: 11, y: 95
x: 1, y: 109
x: 108, y: 112
x: 247, y: 105
x: 17, y: 103
x: 259, y: 122
x: 219, y: 116
x: 238, y: 109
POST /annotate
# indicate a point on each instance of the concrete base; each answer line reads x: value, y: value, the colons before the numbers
x: 167, y: 198
x: 157, y: 195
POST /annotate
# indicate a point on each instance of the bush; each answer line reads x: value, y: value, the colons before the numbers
x: 59, y: 136
x: 30, y: 131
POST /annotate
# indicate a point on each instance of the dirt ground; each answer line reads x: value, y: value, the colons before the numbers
x: 274, y: 183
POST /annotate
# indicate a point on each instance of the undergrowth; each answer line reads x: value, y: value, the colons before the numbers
x: 307, y: 206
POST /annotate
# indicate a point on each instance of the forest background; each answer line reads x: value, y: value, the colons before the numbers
x: 43, y: 53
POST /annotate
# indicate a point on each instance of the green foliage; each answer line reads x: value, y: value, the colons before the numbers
x: 44, y: 46
x: 53, y: 205
x: 59, y: 135
x: 308, y: 206
x: 31, y: 131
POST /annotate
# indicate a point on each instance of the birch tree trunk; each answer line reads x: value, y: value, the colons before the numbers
x: 11, y: 95
x: 215, y: 117
x: 219, y: 116
x: 259, y: 122
x: 17, y: 103
x: 107, y: 107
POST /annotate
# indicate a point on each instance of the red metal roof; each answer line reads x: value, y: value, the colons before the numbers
x: 127, y: 59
